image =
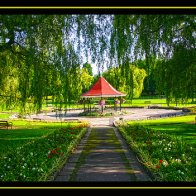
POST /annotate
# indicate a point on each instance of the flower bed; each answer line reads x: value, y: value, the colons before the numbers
x: 168, y: 158
x: 40, y: 158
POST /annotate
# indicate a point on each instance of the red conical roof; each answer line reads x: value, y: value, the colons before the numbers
x: 102, y: 88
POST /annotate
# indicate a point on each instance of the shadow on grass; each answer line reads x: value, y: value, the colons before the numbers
x: 184, y: 130
x: 11, y: 139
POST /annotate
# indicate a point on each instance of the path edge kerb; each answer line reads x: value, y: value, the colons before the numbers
x: 145, y: 174
x: 140, y: 173
x: 75, y: 155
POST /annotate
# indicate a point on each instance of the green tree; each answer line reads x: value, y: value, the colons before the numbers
x: 132, y: 85
x: 176, y: 76
x: 85, y: 80
x: 47, y: 50
x: 89, y: 68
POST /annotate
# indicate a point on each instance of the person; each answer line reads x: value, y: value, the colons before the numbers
x: 102, y: 103
x: 116, y: 102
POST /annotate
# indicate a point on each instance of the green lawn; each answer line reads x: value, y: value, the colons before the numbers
x: 186, y: 131
x: 33, y: 151
x: 10, y: 139
x: 141, y: 102
x: 161, y: 102
x: 4, y: 115
x: 24, y: 131
x: 182, y: 126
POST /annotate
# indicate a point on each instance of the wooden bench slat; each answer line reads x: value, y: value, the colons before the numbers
x: 4, y: 123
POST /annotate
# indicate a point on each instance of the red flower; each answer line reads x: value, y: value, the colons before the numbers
x: 157, y: 166
x: 54, y: 151
x: 160, y: 161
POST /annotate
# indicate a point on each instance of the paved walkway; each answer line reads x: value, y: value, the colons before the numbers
x: 102, y: 156
x: 132, y: 114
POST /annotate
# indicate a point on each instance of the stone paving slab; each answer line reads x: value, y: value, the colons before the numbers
x: 132, y: 114
x: 108, y: 172
x: 104, y: 163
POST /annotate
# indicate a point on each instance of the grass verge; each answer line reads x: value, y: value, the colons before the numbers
x: 168, y: 156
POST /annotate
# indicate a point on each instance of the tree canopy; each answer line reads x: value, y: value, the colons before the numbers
x: 40, y: 54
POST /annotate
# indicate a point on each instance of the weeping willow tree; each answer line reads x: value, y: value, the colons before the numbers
x: 42, y: 54
x: 40, y: 46
x: 170, y: 39
x: 8, y: 81
x: 177, y: 76
x: 132, y: 85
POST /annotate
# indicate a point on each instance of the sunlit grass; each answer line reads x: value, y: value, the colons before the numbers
x: 160, y: 102
x: 169, y: 120
x: 4, y: 115
x: 185, y: 131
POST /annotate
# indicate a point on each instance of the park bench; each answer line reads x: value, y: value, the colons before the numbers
x: 5, y: 123
x: 37, y: 119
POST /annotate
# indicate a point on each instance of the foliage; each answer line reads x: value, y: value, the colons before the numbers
x: 85, y: 80
x: 180, y: 87
x: 89, y: 68
x: 27, y: 163
x: 40, y: 54
x: 168, y: 158
x: 132, y: 85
